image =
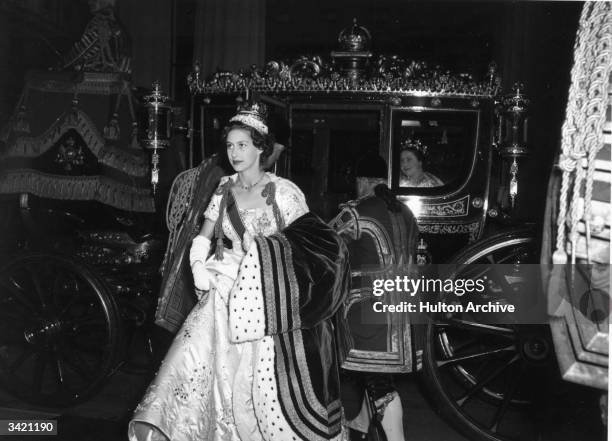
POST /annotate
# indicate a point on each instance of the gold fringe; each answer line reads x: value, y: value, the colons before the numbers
x: 96, y: 188
x: 131, y: 162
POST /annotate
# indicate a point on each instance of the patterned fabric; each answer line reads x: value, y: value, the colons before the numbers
x: 385, y: 238
x: 103, y: 47
x: 288, y: 287
x: 27, y: 166
x: 177, y: 293
x: 211, y: 387
x: 427, y: 180
x: 288, y: 197
x: 178, y: 202
x: 259, y: 221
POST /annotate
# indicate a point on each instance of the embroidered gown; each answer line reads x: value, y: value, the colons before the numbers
x: 220, y: 378
x: 427, y: 180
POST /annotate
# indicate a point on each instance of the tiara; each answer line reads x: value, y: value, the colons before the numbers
x: 252, y: 115
x: 414, y: 144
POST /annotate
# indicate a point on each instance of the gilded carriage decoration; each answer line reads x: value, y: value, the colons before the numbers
x: 449, y: 209
x: 104, y: 45
x: 74, y: 185
x: 342, y: 106
x: 471, y: 229
x: 67, y: 155
x: 352, y: 68
x: 338, y: 106
x: 389, y: 75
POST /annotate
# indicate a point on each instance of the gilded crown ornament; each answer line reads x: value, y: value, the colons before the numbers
x: 253, y: 115
x: 414, y: 144
x: 354, y: 52
x: 355, y: 38
x: 351, y: 68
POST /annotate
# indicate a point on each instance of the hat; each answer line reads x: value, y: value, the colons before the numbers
x: 371, y: 165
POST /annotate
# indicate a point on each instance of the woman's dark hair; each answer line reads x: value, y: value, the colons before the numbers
x: 265, y: 143
x: 383, y: 192
x: 371, y: 165
x: 417, y: 153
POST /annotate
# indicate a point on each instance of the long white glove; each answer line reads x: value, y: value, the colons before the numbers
x: 202, y: 278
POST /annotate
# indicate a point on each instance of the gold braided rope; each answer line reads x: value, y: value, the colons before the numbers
x: 582, y: 132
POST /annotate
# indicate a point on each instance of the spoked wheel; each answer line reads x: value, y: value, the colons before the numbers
x: 59, y: 330
x: 488, y: 379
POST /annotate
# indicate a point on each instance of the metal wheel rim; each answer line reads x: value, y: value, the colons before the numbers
x: 66, y: 341
x: 448, y: 355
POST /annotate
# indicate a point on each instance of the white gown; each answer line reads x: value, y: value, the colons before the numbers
x: 203, y: 389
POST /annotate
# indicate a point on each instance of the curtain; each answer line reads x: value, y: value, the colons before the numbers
x: 229, y: 34
x: 149, y: 26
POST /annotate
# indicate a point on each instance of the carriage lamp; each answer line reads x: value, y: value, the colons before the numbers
x: 513, y: 139
x: 156, y: 128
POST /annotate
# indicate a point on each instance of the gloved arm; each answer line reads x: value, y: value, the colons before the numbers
x: 202, y: 278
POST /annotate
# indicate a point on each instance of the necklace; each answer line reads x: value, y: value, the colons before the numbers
x: 248, y: 187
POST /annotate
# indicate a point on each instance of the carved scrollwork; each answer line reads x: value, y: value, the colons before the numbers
x: 313, y: 74
x: 180, y: 196
x: 305, y: 67
x: 351, y: 69
x: 347, y: 221
x: 444, y: 228
x: 448, y: 209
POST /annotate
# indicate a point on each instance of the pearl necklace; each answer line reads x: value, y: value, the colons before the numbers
x: 249, y: 187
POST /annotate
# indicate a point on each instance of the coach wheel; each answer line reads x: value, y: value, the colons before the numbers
x: 59, y: 330
x: 485, y: 379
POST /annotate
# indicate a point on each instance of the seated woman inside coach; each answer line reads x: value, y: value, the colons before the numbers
x: 412, y: 174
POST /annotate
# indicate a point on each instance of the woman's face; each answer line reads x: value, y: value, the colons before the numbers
x: 410, y: 164
x: 241, y: 152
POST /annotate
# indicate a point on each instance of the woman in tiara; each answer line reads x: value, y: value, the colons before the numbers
x: 412, y: 156
x: 255, y: 358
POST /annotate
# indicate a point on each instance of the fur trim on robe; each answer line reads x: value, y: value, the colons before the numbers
x: 289, y: 286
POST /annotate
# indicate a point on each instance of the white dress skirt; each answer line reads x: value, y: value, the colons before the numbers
x: 203, y: 389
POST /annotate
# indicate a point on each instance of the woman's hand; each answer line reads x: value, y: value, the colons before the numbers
x: 203, y: 279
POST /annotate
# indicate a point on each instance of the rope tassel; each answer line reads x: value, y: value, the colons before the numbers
x: 219, y: 225
x: 582, y: 133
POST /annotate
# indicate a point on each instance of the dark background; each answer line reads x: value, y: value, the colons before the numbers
x: 531, y: 42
